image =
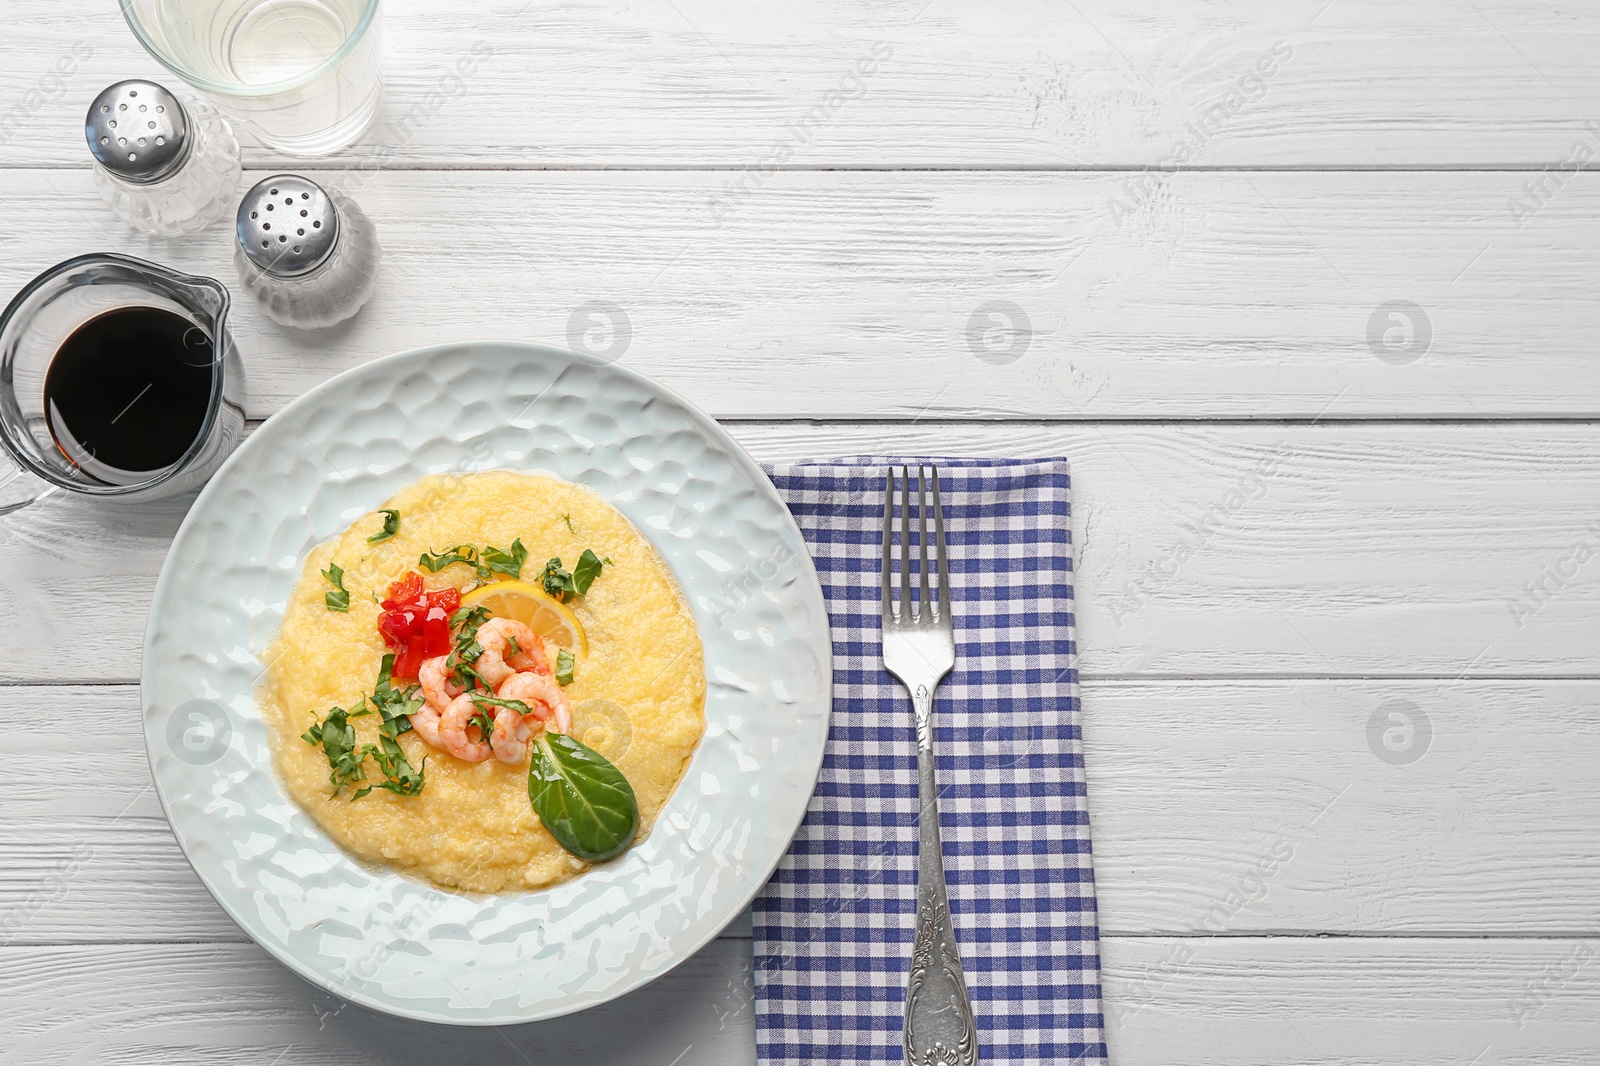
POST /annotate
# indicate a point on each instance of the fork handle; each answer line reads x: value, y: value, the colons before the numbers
x: 940, y: 1030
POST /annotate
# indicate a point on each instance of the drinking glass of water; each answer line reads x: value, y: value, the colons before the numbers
x: 305, y: 75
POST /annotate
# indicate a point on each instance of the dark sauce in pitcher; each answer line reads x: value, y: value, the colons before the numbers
x: 127, y: 392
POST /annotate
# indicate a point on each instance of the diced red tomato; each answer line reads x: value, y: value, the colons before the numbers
x: 448, y: 598
x: 416, y: 623
x: 404, y: 592
x: 406, y: 665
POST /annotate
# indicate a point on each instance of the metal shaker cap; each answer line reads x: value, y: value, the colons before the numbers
x: 138, y: 131
x: 287, y: 225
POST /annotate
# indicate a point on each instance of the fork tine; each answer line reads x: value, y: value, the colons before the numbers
x: 888, y: 538
x: 905, y: 544
x: 945, y: 613
x: 926, y: 603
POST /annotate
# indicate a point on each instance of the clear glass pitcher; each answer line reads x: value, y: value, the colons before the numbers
x: 38, y: 323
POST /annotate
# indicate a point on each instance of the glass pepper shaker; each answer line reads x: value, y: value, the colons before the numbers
x: 167, y: 166
x: 308, y: 256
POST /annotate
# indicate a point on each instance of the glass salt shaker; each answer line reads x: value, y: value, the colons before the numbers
x: 167, y: 166
x: 308, y: 256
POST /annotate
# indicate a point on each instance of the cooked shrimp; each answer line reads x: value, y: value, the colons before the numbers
x: 541, y: 693
x: 437, y: 687
x: 453, y: 725
x: 425, y: 723
x: 510, y: 737
x: 494, y: 636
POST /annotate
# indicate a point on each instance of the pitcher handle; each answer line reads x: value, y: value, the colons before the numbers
x: 18, y: 487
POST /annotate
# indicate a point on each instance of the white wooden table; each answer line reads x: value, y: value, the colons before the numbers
x: 1290, y: 527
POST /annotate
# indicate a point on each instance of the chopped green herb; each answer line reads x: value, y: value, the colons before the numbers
x: 468, y: 678
x: 465, y: 653
x: 336, y: 601
x: 396, y: 705
x: 385, y: 673
x: 564, y: 664
x: 568, y: 520
x: 585, y: 572
x: 556, y: 581
x: 467, y: 649
x: 489, y: 562
x: 504, y: 562
x: 391, y: 526
x: 485, y: 724
x: 399, y: 776
x: 433, y: 562
x: 337, y: 738
x: 470, y: 624
x: 495, y: 701
x: 564, y: 584
x: 469, y: 616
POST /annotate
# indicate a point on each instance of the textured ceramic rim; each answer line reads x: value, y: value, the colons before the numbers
x: 752, y: 880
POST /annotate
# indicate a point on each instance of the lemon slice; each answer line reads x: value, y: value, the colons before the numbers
x: 535, y: 608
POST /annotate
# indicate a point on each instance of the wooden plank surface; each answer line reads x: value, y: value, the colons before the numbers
x: 1295, y: 1001
x: 929, y: 295
x: 1340, y: 670
x: 1227, y: 808
x: 209, y: 1003
x: 1203, y: 550
x: 822, y: 83
x: 1187, y: 1001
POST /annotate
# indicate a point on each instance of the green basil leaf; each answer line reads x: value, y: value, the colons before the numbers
x: 564, y: 664
x: 336, y: 601
x: 585, y: 572
x: 506, y: 562
x: 391, y: 526
x: 583, y: 800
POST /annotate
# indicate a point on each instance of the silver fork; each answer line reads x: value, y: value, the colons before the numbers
x: 919, y: 648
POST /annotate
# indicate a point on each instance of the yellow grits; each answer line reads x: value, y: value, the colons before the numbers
x: 638, y: 696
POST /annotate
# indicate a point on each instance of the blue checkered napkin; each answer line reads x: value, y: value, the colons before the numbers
x: 833, y: 928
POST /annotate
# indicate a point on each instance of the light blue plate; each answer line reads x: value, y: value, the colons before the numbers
x: 398, y: 944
